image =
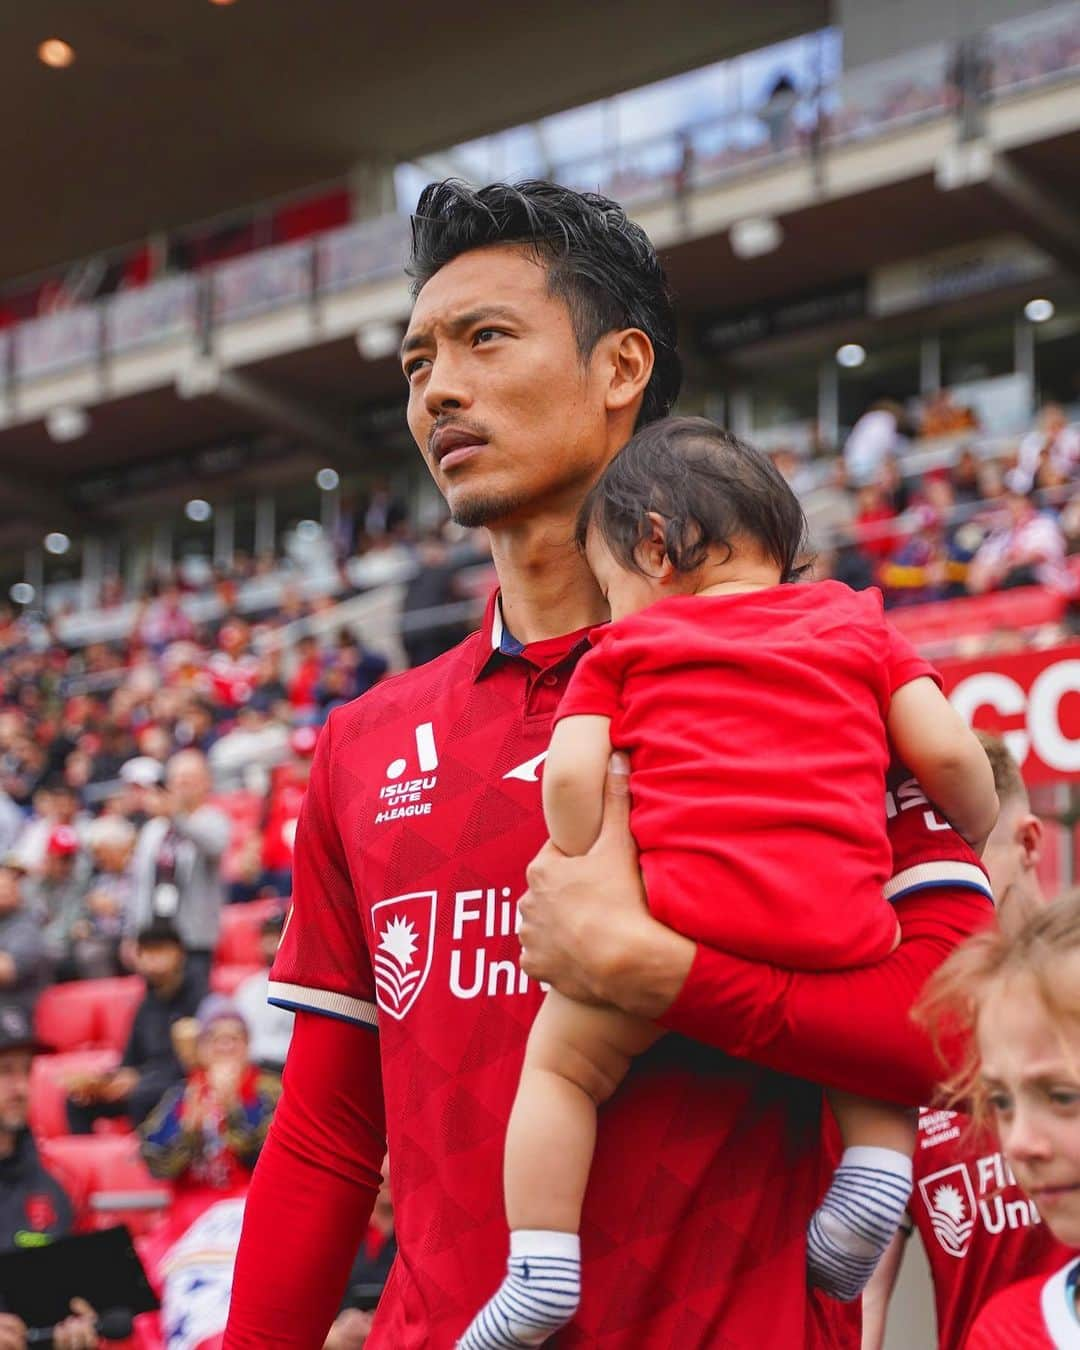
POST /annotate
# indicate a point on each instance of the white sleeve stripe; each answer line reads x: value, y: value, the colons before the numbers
x: 945, y: 873
x: 323, y: 1001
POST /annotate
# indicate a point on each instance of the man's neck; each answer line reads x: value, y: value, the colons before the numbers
x: 7, y: 1143
x: 547, y: 588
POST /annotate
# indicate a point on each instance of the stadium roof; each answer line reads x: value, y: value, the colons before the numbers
x: 179, y: 110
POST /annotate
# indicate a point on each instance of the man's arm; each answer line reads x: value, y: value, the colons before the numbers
x: 316, y: 1181
x: 586, y: 929
x: 207, y: 828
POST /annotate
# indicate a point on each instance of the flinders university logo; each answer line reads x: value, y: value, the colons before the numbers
x: 404, y: 945
x: 950, y: 1202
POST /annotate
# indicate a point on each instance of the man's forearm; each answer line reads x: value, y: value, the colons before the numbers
x: 312, y: 1192
x: 845, y: 1029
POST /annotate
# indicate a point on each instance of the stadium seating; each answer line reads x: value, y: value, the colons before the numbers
x: 97, y: 1168
x: 227, y: 979
x: 1022, y: 608
x: 49, y: 1077
x: 88, y: 1014
x: 238, y: 943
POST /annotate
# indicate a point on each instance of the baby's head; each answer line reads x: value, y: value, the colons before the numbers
x: 687, y: 505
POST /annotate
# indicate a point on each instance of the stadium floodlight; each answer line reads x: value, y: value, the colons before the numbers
x: 326, y: 480
x: 850, y: 355
x: 22, y: 592
x: 378, y: 340
x: 56, y: 53
x: 1039, y: 310
x: 308, y: 531
x: 755, y: 236
x: 67, y: 423
x: 57, y: 542
x: 198, y: 510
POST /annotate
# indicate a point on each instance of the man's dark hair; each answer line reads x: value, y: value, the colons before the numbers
x: 159, y: 933
x: 710, y: 489
x: 598, y: 261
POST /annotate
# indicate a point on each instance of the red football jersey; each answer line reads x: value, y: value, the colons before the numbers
x: 980, y: 1231
x: 755, y: 726
x: 422, y: 813
x: 1037, y: 1314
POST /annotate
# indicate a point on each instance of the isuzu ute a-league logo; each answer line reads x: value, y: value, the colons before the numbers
x: 402, y: 797
x: 404, y: 945
x: 951, y: 1204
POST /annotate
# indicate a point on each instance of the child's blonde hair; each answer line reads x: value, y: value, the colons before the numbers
x: 957, y: 993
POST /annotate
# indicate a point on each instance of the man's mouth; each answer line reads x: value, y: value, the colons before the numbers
x: 451, y: 445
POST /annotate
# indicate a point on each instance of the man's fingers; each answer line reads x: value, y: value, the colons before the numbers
x: 615, y: 826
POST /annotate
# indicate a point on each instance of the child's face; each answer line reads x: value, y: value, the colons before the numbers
x: 1031, y: 1078
x: 625, y: 589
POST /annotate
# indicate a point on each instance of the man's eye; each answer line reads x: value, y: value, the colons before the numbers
x: 485, y: 334
x: 411, y: 367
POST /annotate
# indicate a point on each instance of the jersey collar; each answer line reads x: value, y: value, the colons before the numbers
x: 497, y: 644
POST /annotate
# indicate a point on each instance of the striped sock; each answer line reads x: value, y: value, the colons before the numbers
x: 539, y: 1295
x: 857, y: 1219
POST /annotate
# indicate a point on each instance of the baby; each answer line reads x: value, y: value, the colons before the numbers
x: 758, y: 718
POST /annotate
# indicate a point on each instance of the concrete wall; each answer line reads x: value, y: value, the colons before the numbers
x: 875, y: 29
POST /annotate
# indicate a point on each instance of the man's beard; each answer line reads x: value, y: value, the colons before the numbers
x: 489, y: 510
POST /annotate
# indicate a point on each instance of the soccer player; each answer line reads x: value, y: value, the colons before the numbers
x: 1015, y: 1000
x: 715, y: 677
x: 979, y: 1233
x: 542, y: 333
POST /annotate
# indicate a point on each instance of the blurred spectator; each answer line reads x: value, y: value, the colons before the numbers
x: 177, y: 863
x: 1052, y: 446
x: 12, y: 822
x: 34, y: 1207
x: 424, y: 635
x: 206, y: 1132
x: 385, y: 513
x: 877, y: 436
x: 830, y: 507
x: 1026, y: 549
x: 149, y: 1066
x: 873, y: 517
x: 306, y: 675
x: 23, y: 965
x: 244, y: 756
x: 164, y: 619
x: 55, y: 806
x: 965, y: 477
x: 111, y: 840
x: 55, y: 896
x: 288, y: 785
x: 942, y: 417
x: 777, y: 111
x: 270, y: 1027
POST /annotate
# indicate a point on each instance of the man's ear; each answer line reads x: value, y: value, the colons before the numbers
x: 651, y: 554
x: 1029, y: 835
x: 630, y: 354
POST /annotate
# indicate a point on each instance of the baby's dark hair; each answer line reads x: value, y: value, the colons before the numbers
x: 710, y: 489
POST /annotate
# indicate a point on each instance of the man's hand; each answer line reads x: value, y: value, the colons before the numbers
x: 79, y: 1331
x: 350, y: 1331
x: 585, y: 926
x: 12, y: 1332
x: 8, y: 975
x: 118, y: 1085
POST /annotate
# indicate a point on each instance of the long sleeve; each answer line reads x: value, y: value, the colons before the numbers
x: 207, y: 828
x: 848, y: 1029
x: 326, y: 1145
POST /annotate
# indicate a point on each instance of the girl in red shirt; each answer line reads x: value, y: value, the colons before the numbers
x: 758, y: 718
x: 1014, y: 1002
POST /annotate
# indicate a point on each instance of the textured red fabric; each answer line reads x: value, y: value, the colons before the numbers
x: 313, y: 1190
x: 1031, y: 1315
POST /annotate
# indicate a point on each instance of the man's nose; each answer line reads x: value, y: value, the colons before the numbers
x: 446, y: 385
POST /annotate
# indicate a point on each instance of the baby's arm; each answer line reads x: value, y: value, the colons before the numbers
x: 574, y: 775
x: 934, y: 741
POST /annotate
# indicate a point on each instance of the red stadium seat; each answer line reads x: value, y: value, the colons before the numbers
x: 1022, y: 608
x: 238, y: 943
x: 49, y: 1076
x: 119, y: 1001
x: 88, y: 1014
x: 227, y: 979
x: 103, y: 1168
x: 66, y: 1017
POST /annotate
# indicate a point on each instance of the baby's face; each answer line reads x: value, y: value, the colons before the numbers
x: 625, y: 589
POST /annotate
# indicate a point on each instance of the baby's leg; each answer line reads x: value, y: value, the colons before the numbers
x: 575, y: 1059
x: 868, y: 1195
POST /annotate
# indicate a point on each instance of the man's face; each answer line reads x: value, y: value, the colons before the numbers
x: 1010, y: 858
x: 188, y: 780
x: 159, y: 964
x: 507, y: 416
x: 14, y: 1089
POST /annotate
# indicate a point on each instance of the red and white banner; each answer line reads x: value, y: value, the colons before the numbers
x: 1032, y: 699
